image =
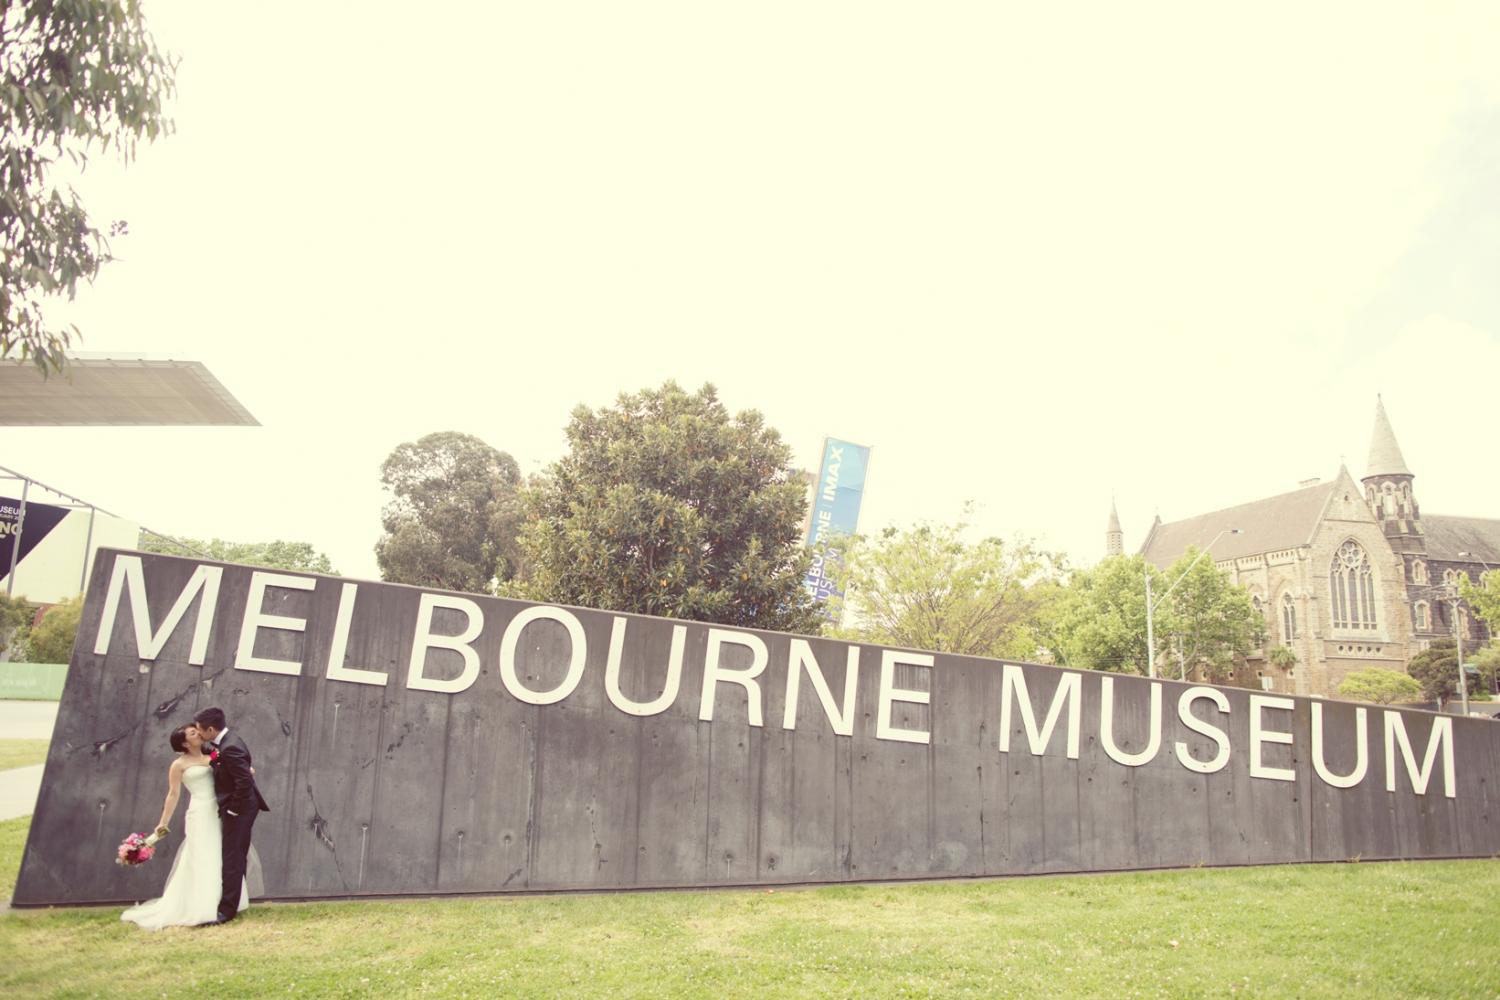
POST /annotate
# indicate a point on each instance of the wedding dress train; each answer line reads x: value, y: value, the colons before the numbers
x: 195, y: 882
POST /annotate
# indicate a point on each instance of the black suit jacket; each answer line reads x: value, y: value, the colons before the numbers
x: 234, y: 785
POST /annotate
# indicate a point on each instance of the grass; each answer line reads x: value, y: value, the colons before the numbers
x: 1412, y: 930
x: 22, y: 753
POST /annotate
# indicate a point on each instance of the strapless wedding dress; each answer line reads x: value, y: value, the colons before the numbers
x: 196, y: 880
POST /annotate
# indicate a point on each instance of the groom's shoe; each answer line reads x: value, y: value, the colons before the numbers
x: 215, y: 922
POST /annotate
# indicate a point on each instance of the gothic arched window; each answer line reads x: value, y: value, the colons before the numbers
x: 1288, y: 618
x: 1418, y: 572
x: 1450, y: 577
x: 1351, y: 588
x: 1422, y: 616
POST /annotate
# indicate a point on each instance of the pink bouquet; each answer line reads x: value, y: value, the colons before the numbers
x: 136, y: 849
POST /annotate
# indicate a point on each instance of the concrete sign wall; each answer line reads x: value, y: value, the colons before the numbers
x: 420, y: 742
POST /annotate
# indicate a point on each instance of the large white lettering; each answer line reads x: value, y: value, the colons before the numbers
x: 1013, y: 688
x: 713, y: 672
x: 801, y: 658
x: 339, y: 647
x: 578, y: 654
x: 1441, y: 737
x: 1107, y: 725
x: 1260, y: 736
x: 1202, y: 728
x: 256, y: 619
x: 890, y: 693
x: 424, y: 639
x: 612, y: 673
x: 1361, y: 749
x: 127, y: 572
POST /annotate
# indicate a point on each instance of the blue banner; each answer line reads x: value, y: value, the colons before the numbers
x: 835, y: 510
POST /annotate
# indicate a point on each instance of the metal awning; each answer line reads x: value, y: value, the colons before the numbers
x: 117, y: 392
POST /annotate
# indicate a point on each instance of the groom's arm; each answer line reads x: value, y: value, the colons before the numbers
x: 235, y: 762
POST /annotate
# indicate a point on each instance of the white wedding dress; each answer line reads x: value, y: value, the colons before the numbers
x: 196, y: 880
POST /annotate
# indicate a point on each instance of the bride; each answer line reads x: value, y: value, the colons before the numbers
x: 195, y: 882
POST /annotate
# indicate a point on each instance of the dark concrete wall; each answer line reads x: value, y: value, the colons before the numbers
x: 387, y: 789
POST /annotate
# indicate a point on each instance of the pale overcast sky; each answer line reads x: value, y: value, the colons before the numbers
x: 1033, y: 255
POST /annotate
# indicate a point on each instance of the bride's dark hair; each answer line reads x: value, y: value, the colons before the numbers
x: 179, y: 739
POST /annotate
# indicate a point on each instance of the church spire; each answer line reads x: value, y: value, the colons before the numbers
x: 1385, y: 454
x: 1114, y: 538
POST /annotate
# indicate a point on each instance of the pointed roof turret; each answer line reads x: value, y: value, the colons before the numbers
x: 1114, y: 518
x: 1385, y: 454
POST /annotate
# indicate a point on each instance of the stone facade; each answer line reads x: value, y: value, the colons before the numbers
x: 1348, y: 574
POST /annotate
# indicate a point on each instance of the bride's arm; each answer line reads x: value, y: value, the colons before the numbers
x: 174, y: 791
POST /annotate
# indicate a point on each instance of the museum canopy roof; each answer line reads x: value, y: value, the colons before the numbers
x: 130, y: 391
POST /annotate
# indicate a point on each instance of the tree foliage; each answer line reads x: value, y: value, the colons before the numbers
x: 1484, y: 598
x: 299, y: 557
x: 1436, y: 669
x: 15, y: 618
x: 1379, y: 686
x: 77, y: 77
x: 51, y: 640
x: 667, y: 505
x: 454, y: 514
x: 1100, y: 622
x: 1284, y: 657
x: 927, y: 587
x: 1214, y: 621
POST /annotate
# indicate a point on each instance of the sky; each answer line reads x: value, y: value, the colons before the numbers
x: 1035, y: 256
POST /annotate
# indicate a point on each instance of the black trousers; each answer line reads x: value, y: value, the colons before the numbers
x: 236, y: 856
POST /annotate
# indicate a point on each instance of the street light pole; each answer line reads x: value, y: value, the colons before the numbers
x: 1152, y: 605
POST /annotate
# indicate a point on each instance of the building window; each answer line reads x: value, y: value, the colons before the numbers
x: 1450, y: 577
x: 1351, y: 588
x: 1388, y: 500
x: 1288, y: 618
x: 1418, y: 572
x: 1422, y: 616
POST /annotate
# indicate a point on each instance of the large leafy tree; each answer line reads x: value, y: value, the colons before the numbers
x: 453, y: 516
x: 1484, y: 598
x: 1201, y: 619
x: 665, y: 504
x: 929, y: 587
x: 1379, y: 686
x: 1212, y: 622
x: 15, y: 616
x: 78, y: 77
x: 51, y: 641
x: 1436, y: 669
x: 1099, y: 620
x: 297, y: 556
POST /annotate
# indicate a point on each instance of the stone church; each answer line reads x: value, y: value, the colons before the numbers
x: 1348, y: 574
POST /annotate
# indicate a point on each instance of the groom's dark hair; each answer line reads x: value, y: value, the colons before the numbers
x: 213, y: 717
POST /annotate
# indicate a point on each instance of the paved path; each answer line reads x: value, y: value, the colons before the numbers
x: 23, y: 720
x: 18, y: 790
x: 27, y: 720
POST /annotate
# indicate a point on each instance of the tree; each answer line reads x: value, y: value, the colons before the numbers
x: 299, y: 557
x: 1484, y: 599
x: 454, y: 514
x: 926, y: 587
x: 667, y: 505
x: 1284, y: 657
x: 1215, y: 621
x: 51, y: 640
x: 77, y: 77
x: 15, y: 615
x: 1379, y: 686
x: 1487, y: 661
x: 1436, y: 669
x: 1099, y: 619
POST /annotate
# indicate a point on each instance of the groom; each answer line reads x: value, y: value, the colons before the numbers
x: 240, y: 802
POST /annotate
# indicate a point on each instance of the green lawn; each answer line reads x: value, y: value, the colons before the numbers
x: 22, y: 753
x: 1371, y: 930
